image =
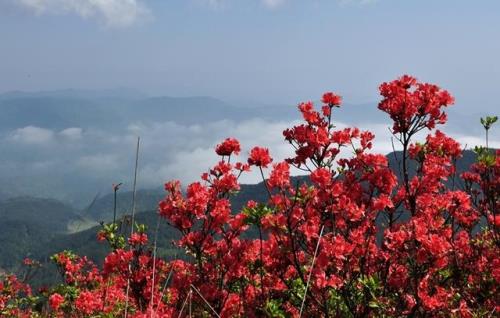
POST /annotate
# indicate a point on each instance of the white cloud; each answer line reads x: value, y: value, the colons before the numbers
x: 73, y: 133
x: 32, y: 135
x: 37, y: 135
x: 277, y: 3
x: 114, y: 13
x: 94, y: 158
x: 191, y: 151
x: 271, y: 4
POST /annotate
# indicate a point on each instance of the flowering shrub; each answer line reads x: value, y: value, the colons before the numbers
x: 354, y: 241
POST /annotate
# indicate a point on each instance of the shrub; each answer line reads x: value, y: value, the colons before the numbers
x: 353, y: 241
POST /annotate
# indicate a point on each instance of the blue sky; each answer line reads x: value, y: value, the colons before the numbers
x: 247, y: 50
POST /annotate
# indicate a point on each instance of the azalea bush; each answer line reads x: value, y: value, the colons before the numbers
x: 357, y: 238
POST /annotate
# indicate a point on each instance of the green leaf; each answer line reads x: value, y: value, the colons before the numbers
x: 488, y: 121
x: 373, y: 304
x: 255, y: 215
x: 273, y: 309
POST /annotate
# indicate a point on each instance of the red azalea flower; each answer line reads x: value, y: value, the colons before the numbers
x: 280, y: 176
x: 228, y: 147
x: 55, y: 301
x: 259, y: 157
x: 138, y: 239
x: 331, y: 99
x: 101, y: 236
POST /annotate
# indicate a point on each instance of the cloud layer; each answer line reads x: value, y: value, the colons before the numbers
x: 114, y: 13
x: 51, y: 162
x: 276, y: 3
x: 32, y: 135
x: 273, y: 4
x: 124, y: 13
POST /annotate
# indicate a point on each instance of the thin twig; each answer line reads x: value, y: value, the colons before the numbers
x: 190, y: 303
x: 206, y: 302
x: 311, y: 270
x: 115, y: 191
x: 170, y: 273
x: 492, y: 312
x: 184, y: 303
x: 265, y: 183
x: 154, y: 262
x: 135, y: 185
x: 132, y: 219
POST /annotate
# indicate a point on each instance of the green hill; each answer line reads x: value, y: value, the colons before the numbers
x: 28, y: 224
x: 53, y: 214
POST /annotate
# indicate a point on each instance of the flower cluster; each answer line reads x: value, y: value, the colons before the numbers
x: 228, y: 147
x: 413, y: 105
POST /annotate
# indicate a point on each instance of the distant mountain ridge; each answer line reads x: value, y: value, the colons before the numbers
x: 123, y: 92
x: 76, y: 108
x: 60, y: 112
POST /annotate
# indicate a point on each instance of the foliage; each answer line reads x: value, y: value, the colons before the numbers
x: 336, y: 246
x: 488, y: 121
